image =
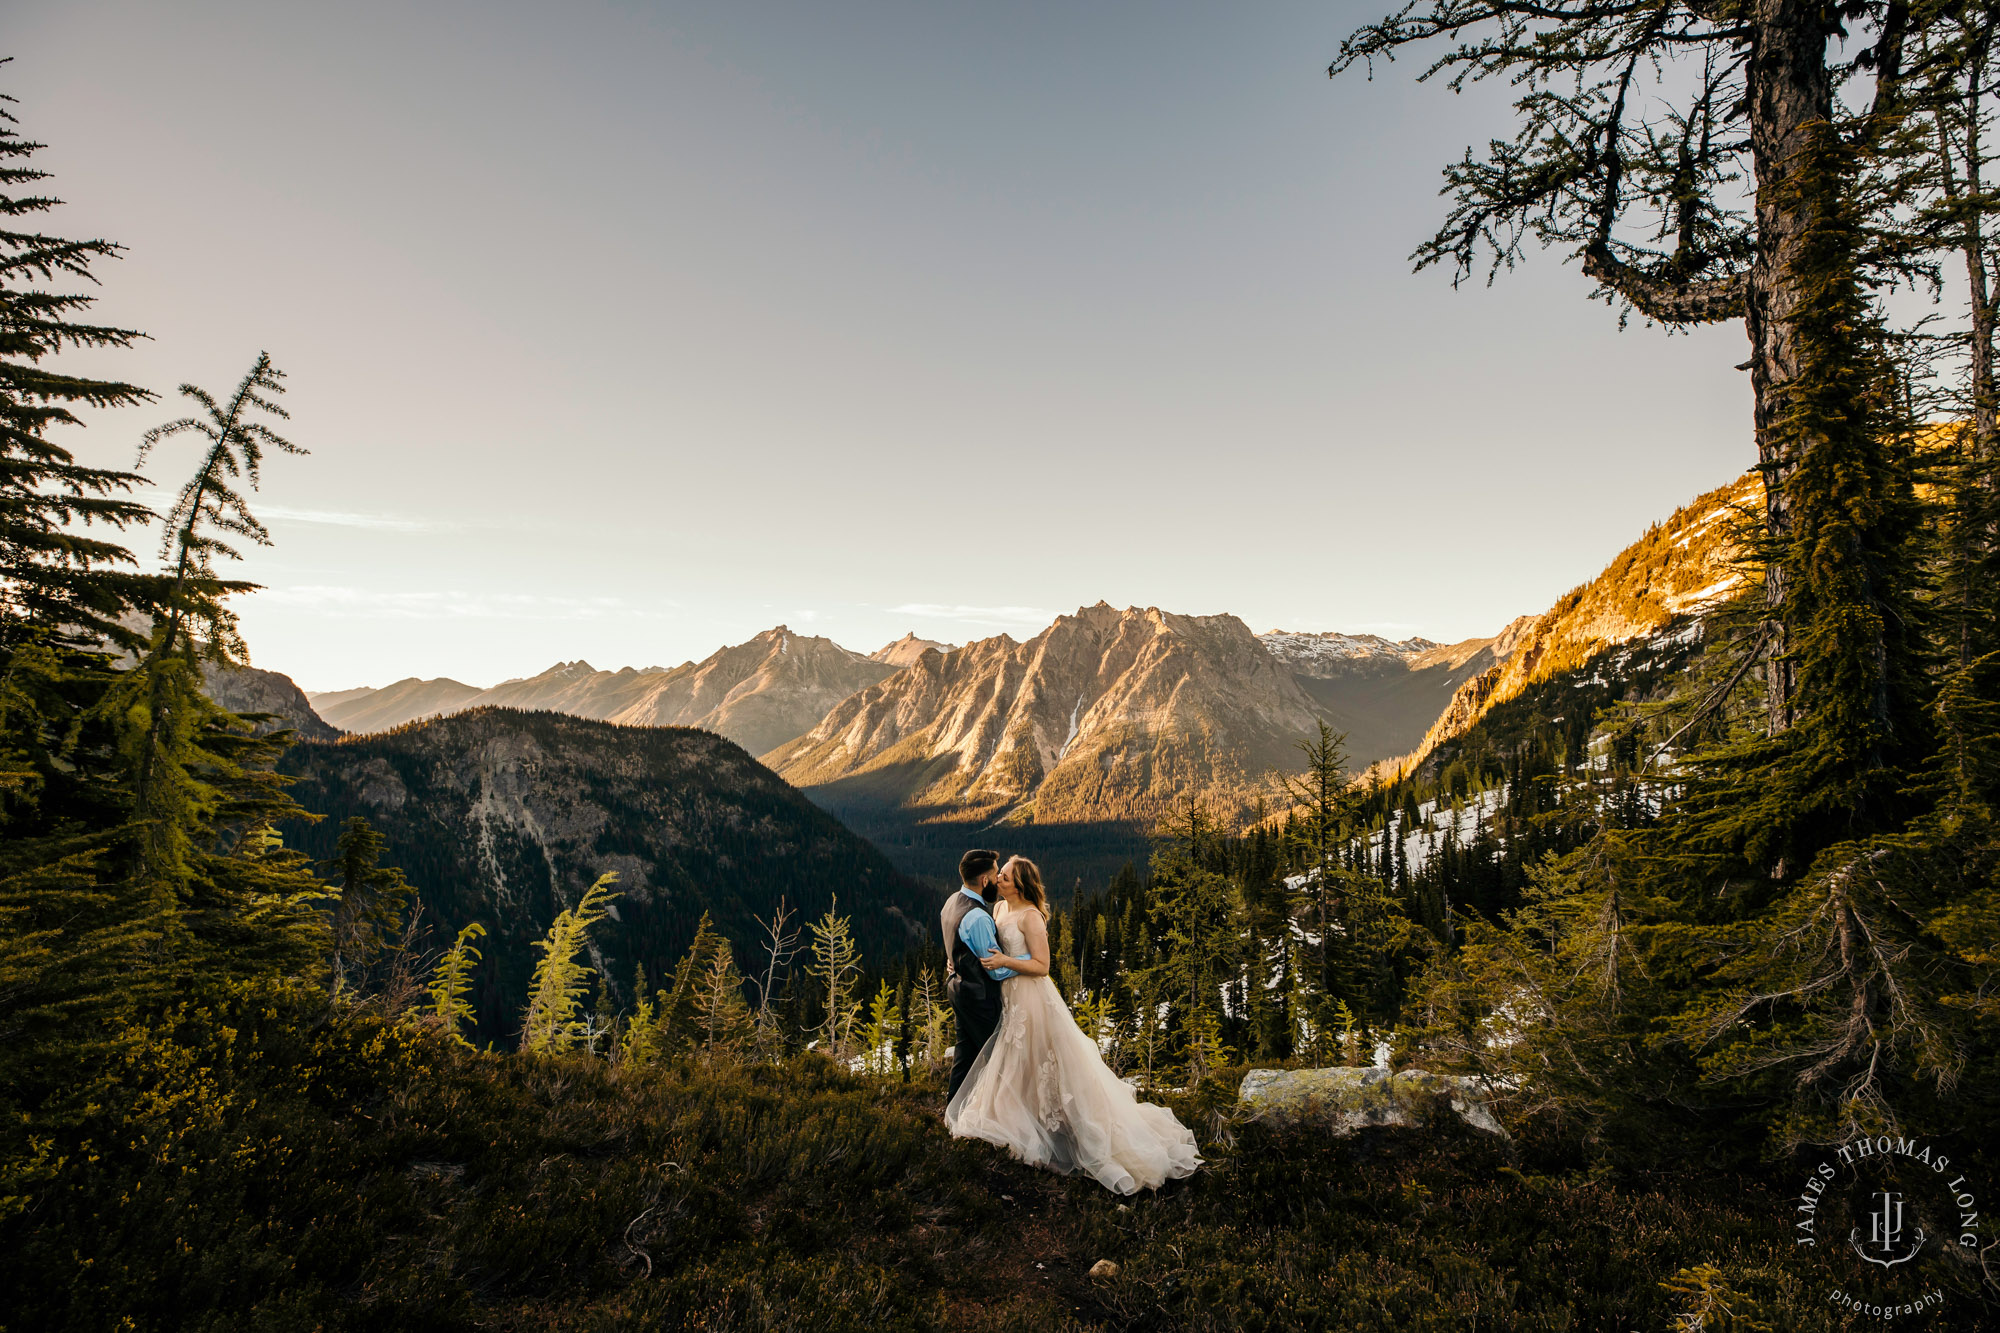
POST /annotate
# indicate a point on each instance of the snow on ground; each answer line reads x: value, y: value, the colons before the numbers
x: 1701, y: 597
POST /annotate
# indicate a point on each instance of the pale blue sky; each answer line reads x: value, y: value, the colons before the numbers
x: 624, y: 331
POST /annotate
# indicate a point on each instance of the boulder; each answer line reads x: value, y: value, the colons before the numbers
x: 1344, y: 1100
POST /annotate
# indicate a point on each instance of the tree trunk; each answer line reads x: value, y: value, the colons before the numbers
x: 1972, y: 530
x: 1790, y: 90
x: 1984, y: 406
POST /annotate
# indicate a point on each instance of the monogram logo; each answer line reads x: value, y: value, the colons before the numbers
x: 1885, y: 1233
x: 1892, y: 1195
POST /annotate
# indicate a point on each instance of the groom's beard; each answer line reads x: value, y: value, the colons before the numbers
x: 991, y: 893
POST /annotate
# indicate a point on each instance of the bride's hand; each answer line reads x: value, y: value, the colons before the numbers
x: 996, y: 959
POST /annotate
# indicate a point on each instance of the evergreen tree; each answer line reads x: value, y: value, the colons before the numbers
x: 78, y: 944
x: 55, y: 577
x: 161, y: 702
x: 1855, y: 723
x: 639, y: 1041
x: 836, y: 964
x: 930, y: 1017
x: 878, y: 1034
x: 369, y: 903
x: 722, y: 1021
x: 676, y: 1017
x: 554, y: 1021
x: 1198, y: 954
x: 1324, y: 808
x: 452, y: 982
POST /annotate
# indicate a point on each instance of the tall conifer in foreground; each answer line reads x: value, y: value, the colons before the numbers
x: 1636, y: 128
x: 95, y: 939
x: 1799, y: 927
x: 76, y: 955
x: 54, y: 573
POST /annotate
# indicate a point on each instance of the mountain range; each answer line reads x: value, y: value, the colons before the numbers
x: 1079, y: 739
x: 1106, y: 714
x: 768, y: 693
x: 759, y: 694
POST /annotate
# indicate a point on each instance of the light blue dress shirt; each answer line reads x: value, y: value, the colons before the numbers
x: 979, y: 934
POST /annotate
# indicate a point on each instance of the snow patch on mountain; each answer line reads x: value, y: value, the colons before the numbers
x: 1303, y: 650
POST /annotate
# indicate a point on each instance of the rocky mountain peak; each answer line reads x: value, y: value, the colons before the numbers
x: 246, y: 689
x: 1511, y: 637
x: 758, y: 693
x: 1107, y: 714
x: 908, y: 649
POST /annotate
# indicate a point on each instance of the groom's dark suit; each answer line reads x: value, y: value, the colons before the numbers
x: 975, y: 996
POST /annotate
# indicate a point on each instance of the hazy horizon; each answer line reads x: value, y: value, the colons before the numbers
x: 627, y: 331
x: 852, y: 647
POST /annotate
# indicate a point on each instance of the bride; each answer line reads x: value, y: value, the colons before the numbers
x: 1040, y: 1089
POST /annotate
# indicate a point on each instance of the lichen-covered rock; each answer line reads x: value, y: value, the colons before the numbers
x: 1344, y: 1100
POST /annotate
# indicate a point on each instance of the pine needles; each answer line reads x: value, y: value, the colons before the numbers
x: 452, y: 982
x: 555, y: 1021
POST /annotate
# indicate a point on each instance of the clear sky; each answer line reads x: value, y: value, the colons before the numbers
x: 624, y: 331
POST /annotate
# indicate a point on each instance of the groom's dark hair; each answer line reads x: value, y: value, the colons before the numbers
x: 976, y: 863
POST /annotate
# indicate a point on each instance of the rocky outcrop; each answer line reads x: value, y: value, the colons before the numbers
x: 1105, y: 715
x: 250, y: 690
x: 1341, y: 1101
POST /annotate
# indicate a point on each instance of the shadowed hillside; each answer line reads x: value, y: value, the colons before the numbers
x: 505, y: 817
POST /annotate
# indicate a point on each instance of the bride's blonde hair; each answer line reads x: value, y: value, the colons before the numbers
x: 1028, y: 879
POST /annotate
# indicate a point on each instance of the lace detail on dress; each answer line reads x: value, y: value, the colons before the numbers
x: 1048, y: 1093
x: 1014, y: 1024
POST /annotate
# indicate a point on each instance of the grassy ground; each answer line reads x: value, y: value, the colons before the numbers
x: 264, y: 1166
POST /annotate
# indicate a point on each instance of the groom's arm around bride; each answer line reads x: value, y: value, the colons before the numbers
x: 970, y: 935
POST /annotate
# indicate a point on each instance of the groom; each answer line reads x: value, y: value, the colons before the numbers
x: 969, y: 935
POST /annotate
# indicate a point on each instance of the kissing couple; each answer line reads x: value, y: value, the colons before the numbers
x: 1024, y: 1075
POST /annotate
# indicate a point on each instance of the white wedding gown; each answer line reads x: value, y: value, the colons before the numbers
x: 1042, y: 1091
